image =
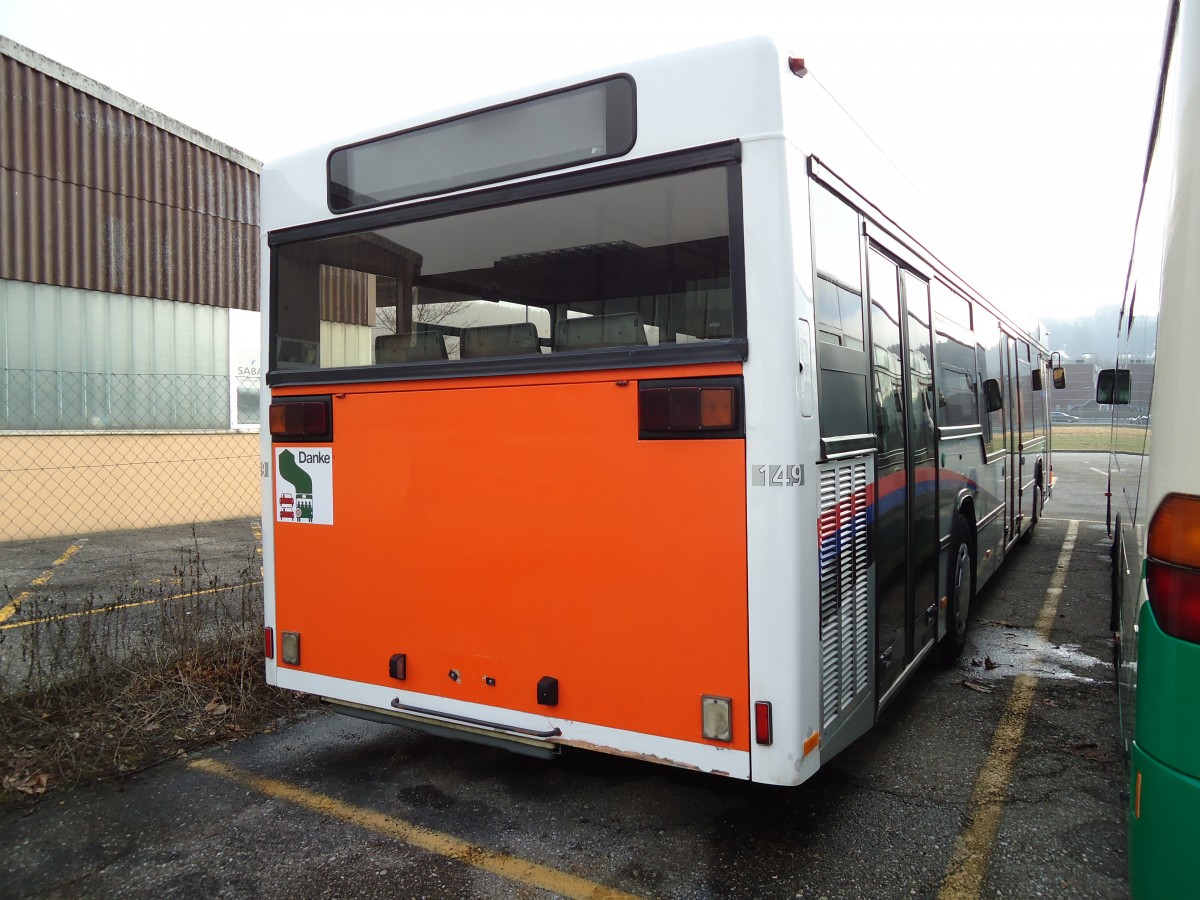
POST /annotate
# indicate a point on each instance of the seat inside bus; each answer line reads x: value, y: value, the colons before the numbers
x: 413, y: 346
x: 499, y: 340
x: 590, y: 332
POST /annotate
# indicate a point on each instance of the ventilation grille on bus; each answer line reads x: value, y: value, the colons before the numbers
x: 842, y: 534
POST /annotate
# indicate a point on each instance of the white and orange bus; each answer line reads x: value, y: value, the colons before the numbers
x: 629, y: 414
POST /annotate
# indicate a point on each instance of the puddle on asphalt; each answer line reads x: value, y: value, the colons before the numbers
x: 997, y: 650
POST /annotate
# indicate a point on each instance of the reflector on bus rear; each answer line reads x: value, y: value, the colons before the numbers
x: 762, y: 723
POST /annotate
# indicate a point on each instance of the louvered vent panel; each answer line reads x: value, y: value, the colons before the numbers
x: 842, y: 537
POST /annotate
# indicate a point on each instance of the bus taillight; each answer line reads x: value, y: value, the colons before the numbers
x: 1173, y: 566
x: 308, y: 419
x: 686, y: 408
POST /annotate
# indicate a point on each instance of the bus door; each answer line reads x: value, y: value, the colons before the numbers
x: 905, y: 507
x: 1012, y: 419
x: 1027, y: 455
x: 922, y: 452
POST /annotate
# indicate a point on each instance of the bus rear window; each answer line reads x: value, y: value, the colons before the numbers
x: 638, y: 264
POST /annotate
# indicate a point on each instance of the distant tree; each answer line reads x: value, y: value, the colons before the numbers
x: 454, y: 312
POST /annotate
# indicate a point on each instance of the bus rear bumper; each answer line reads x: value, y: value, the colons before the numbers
x: 488, y: 737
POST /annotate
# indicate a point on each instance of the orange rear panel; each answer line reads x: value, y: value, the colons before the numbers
x: 509, y: 529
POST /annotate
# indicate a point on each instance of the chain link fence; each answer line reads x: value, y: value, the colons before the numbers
x: 85, y: 452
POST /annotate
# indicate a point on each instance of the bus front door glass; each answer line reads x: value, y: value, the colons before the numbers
x: 1012, y: 417
x: 891, y: 472
x: 923, y: 476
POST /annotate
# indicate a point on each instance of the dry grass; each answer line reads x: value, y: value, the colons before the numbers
x: 134, y: 680
x: 1130, y: 438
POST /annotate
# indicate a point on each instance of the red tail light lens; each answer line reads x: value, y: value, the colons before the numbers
x: 1175, y: 598
x: 308, y: 419
x: 1173, y: 566
x: 269, y: 642
x: 762, y: 722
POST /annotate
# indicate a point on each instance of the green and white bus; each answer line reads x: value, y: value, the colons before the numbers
x: 1154, y: 495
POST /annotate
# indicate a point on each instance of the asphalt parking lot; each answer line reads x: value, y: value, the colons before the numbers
x: 50, y: 587
x: 1001, y: 780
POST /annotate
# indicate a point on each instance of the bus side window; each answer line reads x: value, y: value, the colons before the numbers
x: 958, y: 387
x: 841, y: 350
x: 987, y: 349
x: 1030, y: 420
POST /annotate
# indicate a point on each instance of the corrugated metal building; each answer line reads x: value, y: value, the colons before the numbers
x: 128, y: 311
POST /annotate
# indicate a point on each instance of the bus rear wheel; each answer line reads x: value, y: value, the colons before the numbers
x: 1039, y: 499
x: 960, y: 590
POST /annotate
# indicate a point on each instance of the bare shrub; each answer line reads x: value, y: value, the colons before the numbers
x: 120, y: 684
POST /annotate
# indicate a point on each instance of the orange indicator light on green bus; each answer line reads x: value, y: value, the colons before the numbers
x: 1137, y: 797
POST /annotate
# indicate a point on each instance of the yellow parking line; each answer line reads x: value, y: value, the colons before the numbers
x: 115, y: 606
x: 11, y: 609
x: 964, y: 876
x: 511, y: 867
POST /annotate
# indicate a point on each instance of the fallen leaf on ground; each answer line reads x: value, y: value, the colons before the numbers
x: 975, y: 686
x: 1089, y: 751
x: 27, y: 784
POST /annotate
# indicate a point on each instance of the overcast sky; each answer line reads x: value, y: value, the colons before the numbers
x: 1024, y: 123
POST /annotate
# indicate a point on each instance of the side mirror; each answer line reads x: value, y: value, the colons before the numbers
x: 992, y: 396
x: 1113, y: 387
x: 1036, y: 376
x: 1057, y: 373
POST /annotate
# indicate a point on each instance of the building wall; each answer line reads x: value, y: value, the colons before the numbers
x: 104, y: 194
x: 80, y: 482
x: 1079, y: 396
x: 128, y: 272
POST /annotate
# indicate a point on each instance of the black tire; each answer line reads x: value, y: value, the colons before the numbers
x: 1038, y: 500
x: 960, y: 589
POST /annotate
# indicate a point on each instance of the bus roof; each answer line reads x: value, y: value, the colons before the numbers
x: 686, y: 99
x: 739, y: 90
